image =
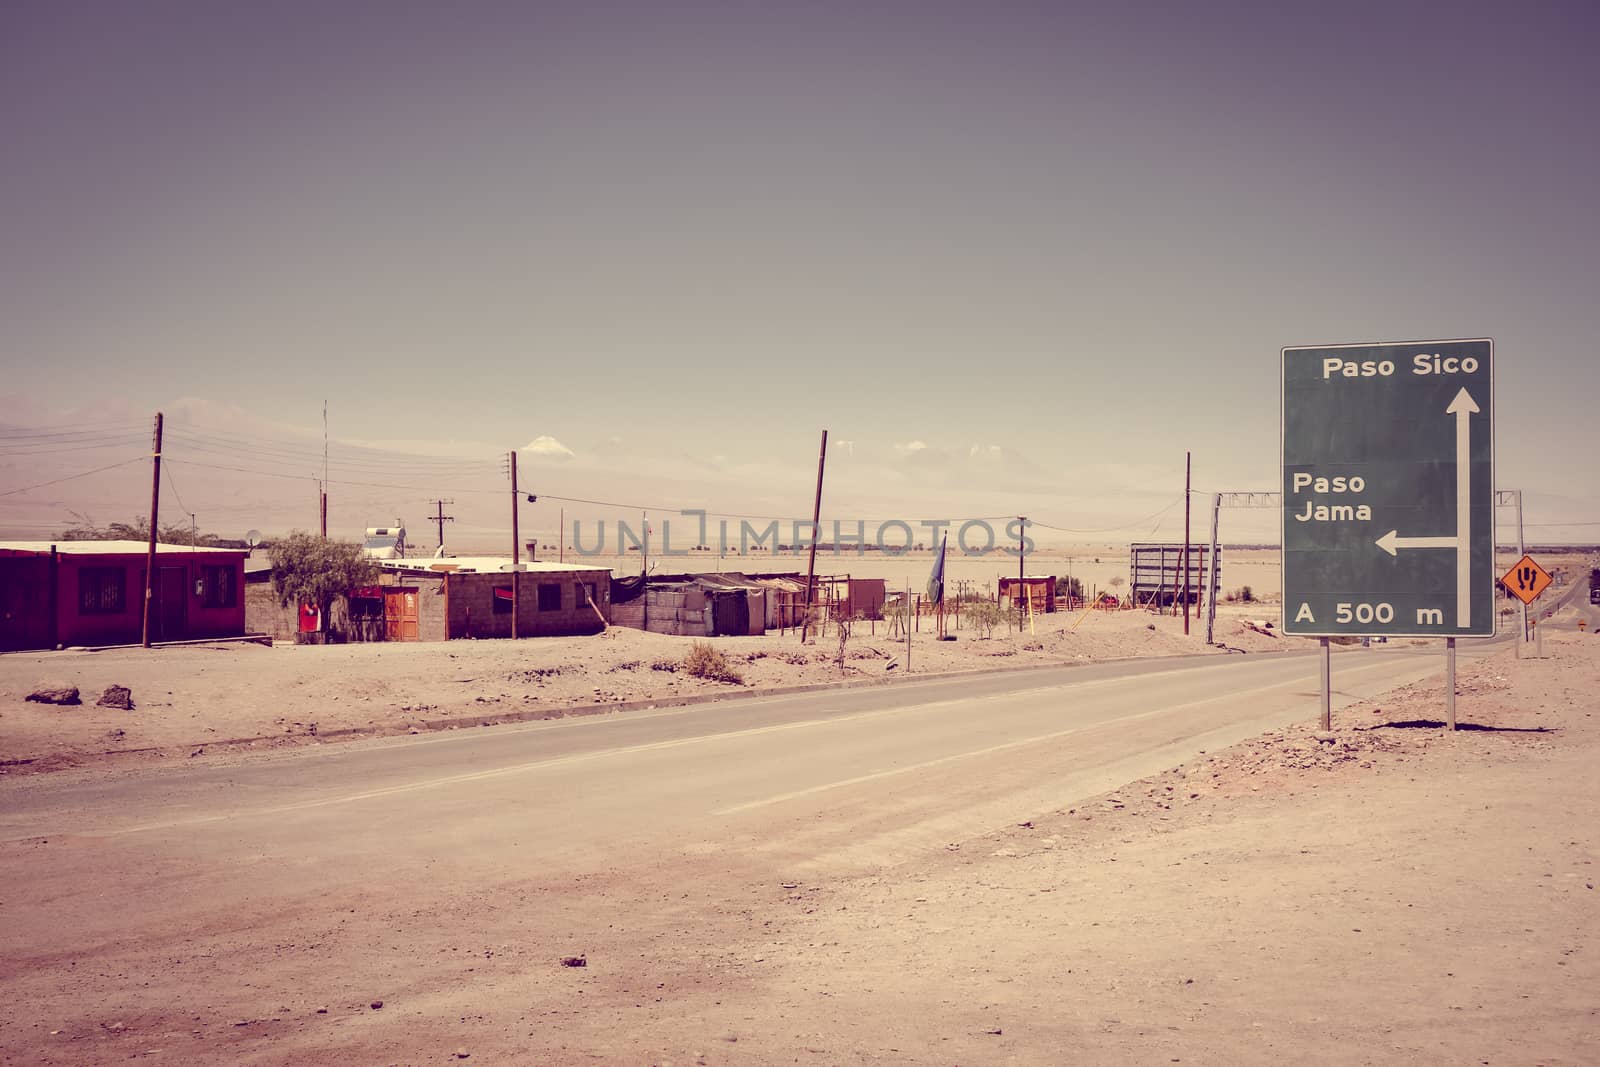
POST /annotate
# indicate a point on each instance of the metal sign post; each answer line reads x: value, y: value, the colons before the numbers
x: 1525, y: 581
x: 1388, y: 490
x: 1450, y: 680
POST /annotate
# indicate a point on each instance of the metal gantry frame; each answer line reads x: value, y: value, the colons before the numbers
x: 1243, y: 498
x: 1249, y: 498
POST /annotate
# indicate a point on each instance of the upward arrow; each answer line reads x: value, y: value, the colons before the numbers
x: 1463, y: 407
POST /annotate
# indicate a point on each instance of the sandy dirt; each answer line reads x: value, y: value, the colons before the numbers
x: 191, y: 701
x: 1402, y: 895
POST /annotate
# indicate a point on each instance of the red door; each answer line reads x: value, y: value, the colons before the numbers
x: 400, y: 614
x: 169, y: 621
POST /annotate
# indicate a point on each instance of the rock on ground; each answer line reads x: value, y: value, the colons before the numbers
x: 116, y: 696
x: 54, y: 693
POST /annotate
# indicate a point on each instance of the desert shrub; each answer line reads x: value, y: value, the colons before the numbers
x: 794, y: 659
x: 985, y: 615
x: 1244, y: 595
x: 704, y: 661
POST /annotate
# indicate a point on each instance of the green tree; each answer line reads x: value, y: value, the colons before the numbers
x: 306, y: 569
x: 1069, y: 586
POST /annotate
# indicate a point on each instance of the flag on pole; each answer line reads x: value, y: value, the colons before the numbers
x: 936, y: 576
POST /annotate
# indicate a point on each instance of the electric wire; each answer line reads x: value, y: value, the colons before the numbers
x: 72, y: 477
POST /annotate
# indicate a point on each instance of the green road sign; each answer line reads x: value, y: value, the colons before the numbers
x: 1388, y: 489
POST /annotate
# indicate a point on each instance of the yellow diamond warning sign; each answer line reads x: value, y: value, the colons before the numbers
x: 1526, y: 580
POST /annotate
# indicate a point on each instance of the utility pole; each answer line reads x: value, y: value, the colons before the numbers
x: 322, y: 486
x: 561, y: 537
x: 516, y: 554
x: 1185, y: 564
x: 155, y: 509
x: 1022, y: 569
x: 440, y: 518
x: 816, y: 531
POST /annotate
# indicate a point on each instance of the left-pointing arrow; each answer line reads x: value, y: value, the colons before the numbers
x: 1391, y: 542
x: 1463, y: 407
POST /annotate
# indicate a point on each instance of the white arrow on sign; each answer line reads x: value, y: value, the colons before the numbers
x: 1463, y: 407
x: 1391, y: 542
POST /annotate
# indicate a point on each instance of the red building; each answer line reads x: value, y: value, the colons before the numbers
x: 92, y: 593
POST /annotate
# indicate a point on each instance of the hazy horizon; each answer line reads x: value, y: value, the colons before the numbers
x: 1016, y: 260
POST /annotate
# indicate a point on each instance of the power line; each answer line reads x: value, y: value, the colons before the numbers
x: 118, y: 427
x: 173, y: 485
x: 331, y: 481
x: 423, y: 465
x: 71, y: 477
x: 255, y: 444
x: 120, y: 441
x: 1112, y: 529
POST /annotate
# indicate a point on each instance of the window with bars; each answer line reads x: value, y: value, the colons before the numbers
x: 221, y: 585
x: 102, y: 590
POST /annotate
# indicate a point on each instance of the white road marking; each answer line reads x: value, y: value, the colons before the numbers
x: 991, y: 749
x: 655, y: 746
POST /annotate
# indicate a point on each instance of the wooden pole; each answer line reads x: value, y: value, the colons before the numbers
x: 816, y: 531
x: 440, y: 518
x: 323, y: 505
x: 1022, y: 568
x: 155, y: 510
x: 908, y: 627
x: 516, y: 555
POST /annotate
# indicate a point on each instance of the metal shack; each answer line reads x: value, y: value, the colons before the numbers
x: 92, y: 593
x: 694, y: 605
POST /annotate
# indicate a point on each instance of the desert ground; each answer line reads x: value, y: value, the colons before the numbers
x: 1399, y: 895
x: 195, y: 701
x: 1394, y: 893
x: 199, y: 700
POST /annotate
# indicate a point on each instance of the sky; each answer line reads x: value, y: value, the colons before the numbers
x: 1017, y: 258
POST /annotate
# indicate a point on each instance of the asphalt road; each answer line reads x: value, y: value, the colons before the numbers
x: 847, y: 778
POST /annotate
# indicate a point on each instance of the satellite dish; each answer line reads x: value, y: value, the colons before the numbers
x: 252, y: 539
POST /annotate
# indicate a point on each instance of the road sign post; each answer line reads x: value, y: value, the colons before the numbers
x: 1450, y: 680
x: 1525, y: 581
x: 1388, y: 490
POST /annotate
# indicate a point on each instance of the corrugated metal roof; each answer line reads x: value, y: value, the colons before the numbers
x: 102, y: 548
